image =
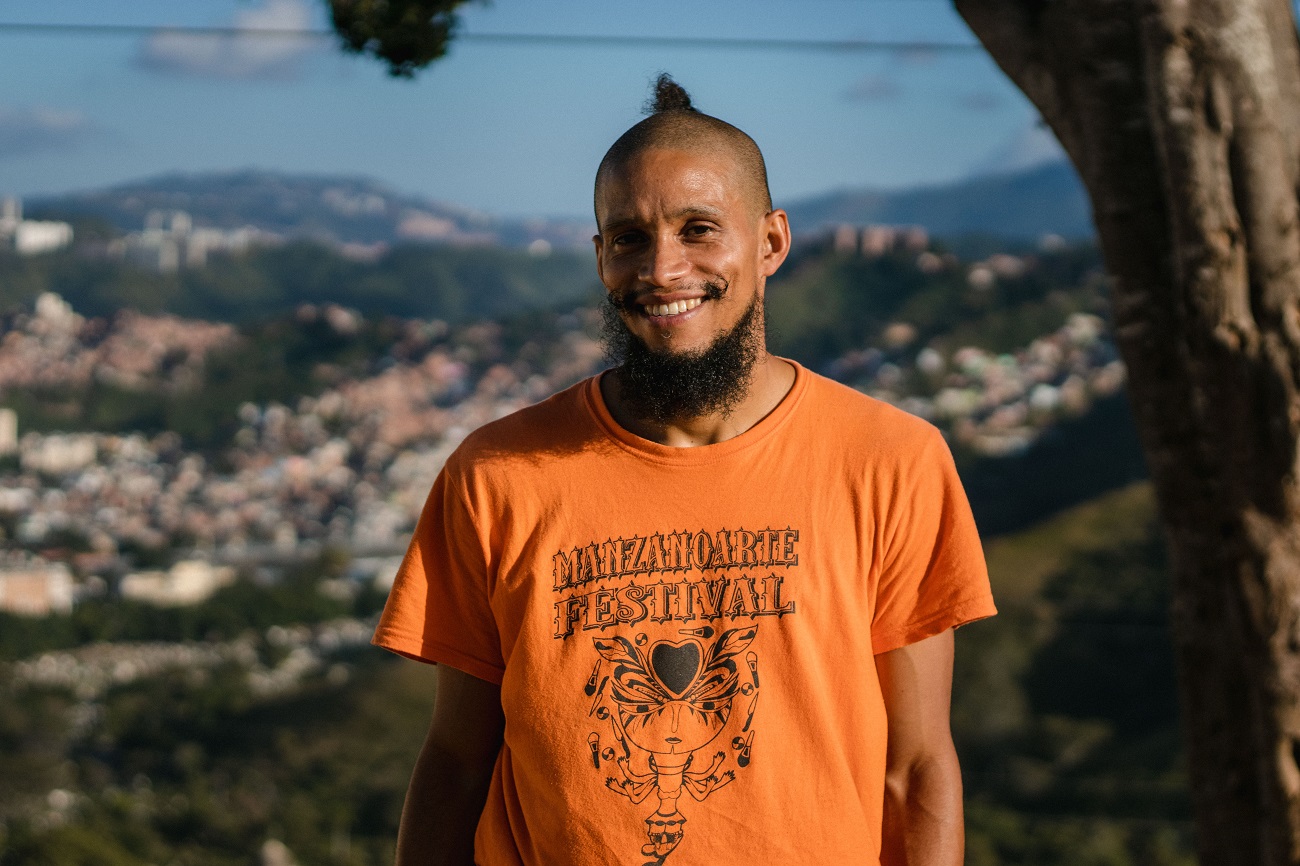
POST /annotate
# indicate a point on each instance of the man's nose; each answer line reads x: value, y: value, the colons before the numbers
x: 664, y: 263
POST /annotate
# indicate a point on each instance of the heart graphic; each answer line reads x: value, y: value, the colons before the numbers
x: 676, y: 664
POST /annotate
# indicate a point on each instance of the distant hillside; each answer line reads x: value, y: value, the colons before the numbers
x: 456, y: 284
x: 1064, y: 708
x: 1027, y: 205
x: 330, y: 209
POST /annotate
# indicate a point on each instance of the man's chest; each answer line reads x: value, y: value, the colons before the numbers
x: 750, y: 554
x: 672, y: 660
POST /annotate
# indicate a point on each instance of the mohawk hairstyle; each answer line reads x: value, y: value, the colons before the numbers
x: 674, y: 123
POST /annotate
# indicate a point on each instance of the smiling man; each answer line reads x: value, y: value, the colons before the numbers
x: 699, y: 608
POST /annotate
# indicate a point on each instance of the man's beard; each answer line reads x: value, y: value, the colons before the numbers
x: 662, y: 387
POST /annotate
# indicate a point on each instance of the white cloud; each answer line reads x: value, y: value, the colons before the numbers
x: 236, y: 55
x: 37, y: 129
x: 1028, y: 148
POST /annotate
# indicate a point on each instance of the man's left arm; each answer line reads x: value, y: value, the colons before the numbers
x: 923, y: 795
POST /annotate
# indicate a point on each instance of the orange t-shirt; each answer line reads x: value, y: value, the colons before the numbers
x: 685, y: 637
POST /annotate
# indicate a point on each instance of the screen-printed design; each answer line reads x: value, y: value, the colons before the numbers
x: 666, y: 702
x: 683, y: 576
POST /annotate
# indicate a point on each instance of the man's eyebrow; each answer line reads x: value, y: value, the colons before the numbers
x: 698, y: 210
x: 617, y: 222
x: 623, y: 221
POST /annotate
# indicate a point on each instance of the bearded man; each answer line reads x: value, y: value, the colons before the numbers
x: 698, y: 608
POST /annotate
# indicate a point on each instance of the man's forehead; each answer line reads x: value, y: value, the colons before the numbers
x: 686, y: 182
x: 660, y: 165
x: 621, y: 214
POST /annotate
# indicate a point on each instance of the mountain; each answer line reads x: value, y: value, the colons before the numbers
x: 332, y: 209
x: 1048, y: 199
x: 1025, y: 205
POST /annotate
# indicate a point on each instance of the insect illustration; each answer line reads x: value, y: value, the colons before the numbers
x: 670, y: 701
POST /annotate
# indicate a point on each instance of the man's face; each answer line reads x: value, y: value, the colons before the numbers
x: 683, y: 249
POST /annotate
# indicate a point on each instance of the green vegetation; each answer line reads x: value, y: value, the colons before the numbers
x: 232, y: 611
x: 1077, y: 461
x: 192, y: 769
x: 455, y: 284
x: 828, y: 304
x: 1064, y: 706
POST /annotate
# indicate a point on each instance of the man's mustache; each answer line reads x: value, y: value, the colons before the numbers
x: 628, y: 302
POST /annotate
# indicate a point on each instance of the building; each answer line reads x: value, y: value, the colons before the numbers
x: 30, y: 237
x: 187, y: 582
x: 11, y: 213
x: 878, y: 240
x: 35, y: 588
x: 33, y: 237
x: 170, y: 242
x: 57, y: 453
x: 844, y: 239
x: 8, y: 431
x: 873, y: 241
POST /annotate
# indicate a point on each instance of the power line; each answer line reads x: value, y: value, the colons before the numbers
x: 830, y: 45
x: 558, y: 39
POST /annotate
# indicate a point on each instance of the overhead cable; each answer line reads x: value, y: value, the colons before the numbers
x: 564, y: 39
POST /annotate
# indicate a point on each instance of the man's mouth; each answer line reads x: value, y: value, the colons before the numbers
x: 674, y: 308
x: 646, y: 304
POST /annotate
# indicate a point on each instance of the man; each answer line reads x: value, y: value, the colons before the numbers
x: 697, y: 609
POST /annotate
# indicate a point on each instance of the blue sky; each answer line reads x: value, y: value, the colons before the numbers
x: 508, y: 129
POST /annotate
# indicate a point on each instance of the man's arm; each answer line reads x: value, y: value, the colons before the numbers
x: 923, y: 807
x: 450, y: 782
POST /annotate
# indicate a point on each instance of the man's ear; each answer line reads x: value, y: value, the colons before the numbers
x: 776, y: 241
x: 600, y: 260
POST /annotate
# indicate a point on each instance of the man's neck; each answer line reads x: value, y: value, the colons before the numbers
x: 772, y: 379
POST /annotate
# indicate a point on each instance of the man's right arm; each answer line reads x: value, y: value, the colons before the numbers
x: 450, y: 782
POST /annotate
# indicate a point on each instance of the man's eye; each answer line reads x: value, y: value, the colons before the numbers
x: 698, y: 230
x: 626, y: 239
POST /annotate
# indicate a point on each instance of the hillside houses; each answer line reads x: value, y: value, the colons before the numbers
x: 170, y: 241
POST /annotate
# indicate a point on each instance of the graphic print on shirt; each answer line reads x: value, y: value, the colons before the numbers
x: 683, y: 576
x: 662, y: 696
x: 666, y: 702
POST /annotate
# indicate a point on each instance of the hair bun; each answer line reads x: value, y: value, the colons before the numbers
x: 669, y: 96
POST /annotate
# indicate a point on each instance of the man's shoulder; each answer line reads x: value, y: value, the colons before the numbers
x: 560, y: 424
x: 865, y: 421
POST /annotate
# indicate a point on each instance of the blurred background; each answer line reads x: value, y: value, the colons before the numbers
x: 253, y: 290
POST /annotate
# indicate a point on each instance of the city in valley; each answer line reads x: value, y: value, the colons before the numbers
x: 216, y: 439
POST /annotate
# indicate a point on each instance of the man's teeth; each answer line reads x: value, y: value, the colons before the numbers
x: 674, y: 308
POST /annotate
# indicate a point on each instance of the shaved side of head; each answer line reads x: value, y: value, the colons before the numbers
x: 675, y: 124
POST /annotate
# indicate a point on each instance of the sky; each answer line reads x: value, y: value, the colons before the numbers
x: 508, y: 129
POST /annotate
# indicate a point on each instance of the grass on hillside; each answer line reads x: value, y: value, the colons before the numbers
x: 1064, y: 705
x: 1019, y: 564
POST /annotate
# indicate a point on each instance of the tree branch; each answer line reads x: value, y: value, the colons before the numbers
x: 1279, y: 21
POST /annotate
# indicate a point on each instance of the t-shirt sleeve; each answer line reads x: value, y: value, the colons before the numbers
x: 933, y: 575
x: 438, y: 610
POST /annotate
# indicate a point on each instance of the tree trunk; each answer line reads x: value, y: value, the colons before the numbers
x: 1183, y: 118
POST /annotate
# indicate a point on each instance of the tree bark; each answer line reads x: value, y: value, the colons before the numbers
x: 1183, y: 119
